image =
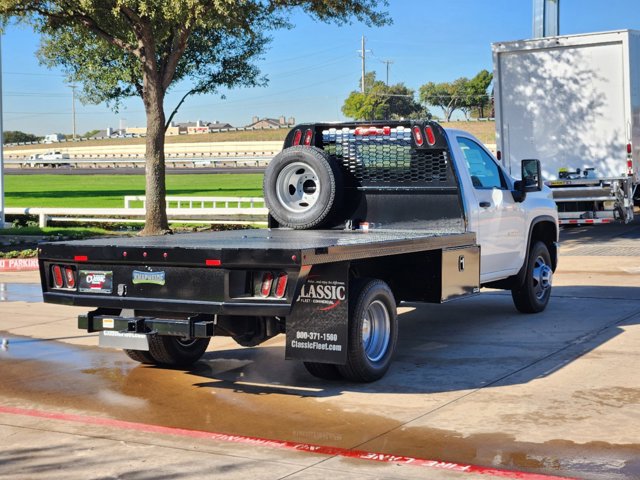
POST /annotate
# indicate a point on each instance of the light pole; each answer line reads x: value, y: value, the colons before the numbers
x: 73, y: 109
x: 2, y: 224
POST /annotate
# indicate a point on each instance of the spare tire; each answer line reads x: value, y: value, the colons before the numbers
x: 302, y: 187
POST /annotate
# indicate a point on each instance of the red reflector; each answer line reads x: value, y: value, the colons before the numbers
x: 58, y: 282
x: 417, y: 135
x: 308, y: 135
x: 267, y: 282
x: 431, y: 138
x: 281, y: 285
x: 80, y: 258
x: 70, y: 276
x: 212, y: 263
x: 297, y: 137
x: 499, y: 155
x: 629, y: 150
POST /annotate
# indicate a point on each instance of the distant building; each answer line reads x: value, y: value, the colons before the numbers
x: 186, y: 128
x: 281, y: 122
x: 140, y: 131
x: 201, y: 126
x: 101, y: 134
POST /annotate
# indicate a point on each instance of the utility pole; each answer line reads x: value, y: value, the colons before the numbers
x: 363, y: 51
x: 387, y: 63
x: 73, y: 109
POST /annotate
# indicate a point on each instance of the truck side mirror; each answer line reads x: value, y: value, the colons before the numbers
x: 531, y: 175
x: 531, y: 180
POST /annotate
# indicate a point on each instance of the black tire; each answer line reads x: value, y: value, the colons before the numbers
x: 302, y: 187
x: 175, y: 351
x: 373, y: 331
x: 325, y: 371
x: 140, y: 356
x: 533, y: 296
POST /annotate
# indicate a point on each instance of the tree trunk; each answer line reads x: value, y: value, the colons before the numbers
x: 156, y: 213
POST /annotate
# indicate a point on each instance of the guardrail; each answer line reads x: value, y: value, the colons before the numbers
x: 173, y: 202
x: 240, y: 216
x: 138, y: 161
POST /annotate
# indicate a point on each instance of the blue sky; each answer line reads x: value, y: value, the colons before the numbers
x: 313, y: 67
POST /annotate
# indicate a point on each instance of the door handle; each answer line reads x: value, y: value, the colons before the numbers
x: 485, y: 204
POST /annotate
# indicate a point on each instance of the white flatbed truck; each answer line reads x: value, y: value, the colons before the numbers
x: 362, y: 216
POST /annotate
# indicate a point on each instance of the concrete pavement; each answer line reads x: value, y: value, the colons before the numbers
x: 474, y: 383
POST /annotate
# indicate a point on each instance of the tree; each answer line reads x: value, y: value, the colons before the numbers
x: 90, y: 133
x: 19, y: 137
x: 380, y: 102
x: 479, y: 86
x: 466, y: 95
x: 447, y: 95
x: 121, y: 48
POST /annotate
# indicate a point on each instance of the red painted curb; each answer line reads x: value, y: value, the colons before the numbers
x: 301, y: 447
x: 18, y: 264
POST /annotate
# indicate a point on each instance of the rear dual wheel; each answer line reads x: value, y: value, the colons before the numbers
x: 373, y: 334
x: 171, y: 351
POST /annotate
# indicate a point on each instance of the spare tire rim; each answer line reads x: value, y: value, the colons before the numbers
x: 298, y: 187
x: 542, y: 278
x: 376, y: 331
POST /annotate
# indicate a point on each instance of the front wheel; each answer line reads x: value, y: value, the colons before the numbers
x: 533, y: 296
x: 176, y: 351
x: 373, y: 331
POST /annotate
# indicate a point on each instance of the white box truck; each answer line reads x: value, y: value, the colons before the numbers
x: 573, y: 102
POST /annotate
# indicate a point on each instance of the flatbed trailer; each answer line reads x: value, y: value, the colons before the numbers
x: 344, y: 247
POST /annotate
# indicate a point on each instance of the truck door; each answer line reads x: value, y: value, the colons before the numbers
x: 500, y: 220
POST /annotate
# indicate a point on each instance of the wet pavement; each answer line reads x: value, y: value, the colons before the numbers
x: 20, y: 292
x: 473, y: 382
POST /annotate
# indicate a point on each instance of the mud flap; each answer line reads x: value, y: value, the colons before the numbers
x: 317, y: 328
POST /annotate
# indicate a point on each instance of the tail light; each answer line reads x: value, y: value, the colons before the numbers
x: 629, y: 160
x: 267, y: 282
x: 63, y: 276
x: 417, y: 135
x: 431, y: 138
x: 70, y: 277
x: 270, y: 284
x: 58, y: 280
x: 297, y: 137
x: 308, y: 135
x: 281, y: 285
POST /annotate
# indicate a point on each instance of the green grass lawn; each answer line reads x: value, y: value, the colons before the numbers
x: 104, y: 191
